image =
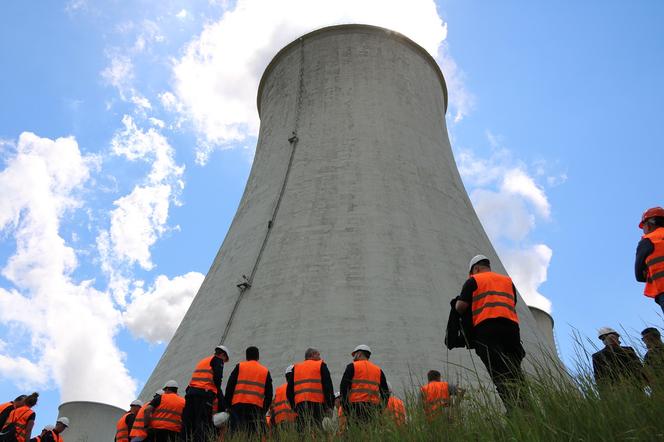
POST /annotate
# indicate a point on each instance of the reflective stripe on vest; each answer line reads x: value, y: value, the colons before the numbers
x: 365, y: 385
x: 493, y: 298
x: 121, y: 429
x: 250, y: 385
x: 396, y: 410
x: 202, y: 377
x: 168, y: 415
x: 655, y: 264
x: 436, y: 395
x: 138, y: 429
x: 19, y: 417
x: 281, y: 410
x: 307, y: 382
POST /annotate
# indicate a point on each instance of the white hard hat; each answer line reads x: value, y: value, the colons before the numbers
x: 363, y: 348
x: 171, y: 384
x: 475, y: 260
x: 605, y: 331
x: 49, y: 427
x: 159, y: 392
x: 63, y: 420
x: 137, y: 402
x: 220, y: 419
x: 224, y: 349
x: 289, y: 369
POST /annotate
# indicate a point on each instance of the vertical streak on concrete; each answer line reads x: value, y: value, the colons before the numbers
x: 374, y: 228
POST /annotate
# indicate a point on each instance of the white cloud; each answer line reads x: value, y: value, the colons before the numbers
x: 509, y: 201
x: 182, y: 14
x: 119, y: 74
x: 154, y: 315
x: 71, y: 325
x: 217, y: 78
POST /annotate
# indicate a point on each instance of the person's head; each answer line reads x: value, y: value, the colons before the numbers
x: 222, y: 353
x: 251, y: 353
x: 361, y: 353
x: 433, y: 375
x: 479, y: 264
x: 46, y: 429
x: 135, y: 406
x: 608, y: 336
x: 31, y: 399
x: 19, y: 401
x: 61, y: 425
x: 652, y: 219
x: 312, y: 354
x: 651, y: 337
x: 171, y: 387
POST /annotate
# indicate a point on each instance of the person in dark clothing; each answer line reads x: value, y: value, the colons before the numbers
x: 249, y: 394
x: 653, y: 361
x: 363, y: 389
x: 54, y: 435
x: 491, y: 299
x: 7, y: 408
x: 649, y: 262
x: 310, y: 391
x: 615, y: 364
x: 203, y: 392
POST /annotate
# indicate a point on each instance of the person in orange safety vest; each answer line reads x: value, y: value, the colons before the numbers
x: 310, y: 390
x: 22, y: 419
x: 436, y: 396
x: 139, y: 429
x: 281, y: 412
x: 52, y: 434
x: 396, y: 409
x: 649, y: 263
x: 7, y: 408
x: 124, y: 424
x: 203, y: 392
x: 163, y: 415
x: 363, y: 388
x: 249, y: 393
x: 491, y: 298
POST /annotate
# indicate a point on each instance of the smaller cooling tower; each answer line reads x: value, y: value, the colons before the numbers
x: 545, y: 327
x: 89, y: 421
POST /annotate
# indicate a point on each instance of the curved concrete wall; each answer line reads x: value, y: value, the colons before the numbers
x: 90, y: 421
x: 368, y: 239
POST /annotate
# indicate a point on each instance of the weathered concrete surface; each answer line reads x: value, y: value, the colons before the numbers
x: 89, y: 421
x: 374, y: 230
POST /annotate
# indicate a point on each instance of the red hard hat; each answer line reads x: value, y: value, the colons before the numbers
x: 651, y: 213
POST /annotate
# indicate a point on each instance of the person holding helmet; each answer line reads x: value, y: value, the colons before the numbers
x: 53, y: 434
x: 649, y: 263
x: 364, y: 390
x: 163, y: 415
x: 615, y: 364
x: 491, y: 298
x: 203, y: 389
x: 310, y: 390
x: 124, y: 424
x: 281, y: 411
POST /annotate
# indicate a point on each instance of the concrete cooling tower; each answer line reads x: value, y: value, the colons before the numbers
x: 354, y: 226
x: 89, y: 421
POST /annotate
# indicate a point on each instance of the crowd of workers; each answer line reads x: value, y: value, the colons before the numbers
x: 482, y: 317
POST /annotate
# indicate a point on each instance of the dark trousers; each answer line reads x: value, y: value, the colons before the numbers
x: 163, y: 436
x: 309, y: 414
x: 248, y: 419
x: 498, y: 345
x: 197, y: 415
x: 659, y: 299
x: 362, y: 412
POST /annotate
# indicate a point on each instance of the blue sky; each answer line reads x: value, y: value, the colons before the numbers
x: 127, y: 131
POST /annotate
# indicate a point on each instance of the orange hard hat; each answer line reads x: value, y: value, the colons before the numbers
x: 651, y: 213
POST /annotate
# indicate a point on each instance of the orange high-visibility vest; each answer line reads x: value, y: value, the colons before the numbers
x: 168, y: 415
x: 281, y: 409
x: 121, y: 429
x: 493, y: 298
x: 436, y: 395
x: 396, y: 410
x: 139, y: 429
x: 250, y: 386
x: 56, y: 437
x: 203, y: 377
x: 307, y: 382
x: 365, y: 385
x: 655, y: 264
x: 19, y: 417
x: 6, y: 405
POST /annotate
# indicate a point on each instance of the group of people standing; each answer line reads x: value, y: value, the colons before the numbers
x: 17, y: 420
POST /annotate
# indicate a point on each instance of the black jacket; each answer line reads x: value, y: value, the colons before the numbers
x: 459, y: 331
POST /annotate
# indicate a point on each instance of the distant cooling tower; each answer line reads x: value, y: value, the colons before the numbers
x: 354, y: 226
x: 89, y: 421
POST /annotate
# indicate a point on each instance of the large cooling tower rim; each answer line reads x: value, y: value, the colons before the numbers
x: 345, y: 29
x: 544, y: 312
x: 101, y: 404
